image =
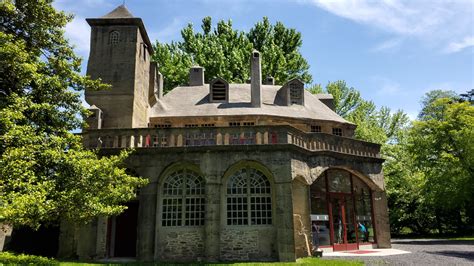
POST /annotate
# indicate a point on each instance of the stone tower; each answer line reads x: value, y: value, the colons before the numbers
x: 120, y: 55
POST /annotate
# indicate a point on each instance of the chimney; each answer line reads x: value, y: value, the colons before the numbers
x: 256, y: 79
x: 196, y: 76
x: 159, y: 92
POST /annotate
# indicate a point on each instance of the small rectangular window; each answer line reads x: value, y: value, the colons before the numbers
x: 207, y: 125
x: 337, y: 131
x: 162, y: 125
x: 315, y: 129
x: 234, y: 124
x: 191, y: 125
x: 246, y: 124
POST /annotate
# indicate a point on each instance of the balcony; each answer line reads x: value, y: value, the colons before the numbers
x: 226, y: 136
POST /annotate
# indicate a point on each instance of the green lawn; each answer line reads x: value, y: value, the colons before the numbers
x: 304, y: 261
x: 7, y: 258
x: 470, y: 238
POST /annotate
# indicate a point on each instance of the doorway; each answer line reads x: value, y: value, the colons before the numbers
x: 123, y: 232
x: 341, y: 211
x: 343, y: 225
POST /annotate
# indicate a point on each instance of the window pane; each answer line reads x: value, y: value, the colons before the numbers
x: 339, y: 181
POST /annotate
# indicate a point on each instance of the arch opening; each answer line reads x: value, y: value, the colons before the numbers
x: 341, y: 211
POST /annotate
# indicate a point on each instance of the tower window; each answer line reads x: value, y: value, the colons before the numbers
x: 114, y: 37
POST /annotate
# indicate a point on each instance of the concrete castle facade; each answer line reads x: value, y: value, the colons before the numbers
x: 237, y: 171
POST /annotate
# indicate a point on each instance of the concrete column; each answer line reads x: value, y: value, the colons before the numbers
x: 382, y: 225
x: 146, y: 221
x: 284, y: 222
x: 67, y: 241
x: 101, y: 245
x: 212, y: 223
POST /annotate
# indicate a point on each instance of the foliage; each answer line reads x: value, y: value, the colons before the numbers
x: 8, y: 258
x: 379, y: 126
x: 224, y: 52
x: 44, y: 171
x: 442, y: 148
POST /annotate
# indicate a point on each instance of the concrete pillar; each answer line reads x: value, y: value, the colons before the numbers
x: 382, y: 225
x: 146, y: 220
x: 284, y: 222
x: 212, y: 223
x: 67, y: 241
x: 101, y: 245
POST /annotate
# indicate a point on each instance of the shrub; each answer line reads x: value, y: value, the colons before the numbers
x: 7, y: 258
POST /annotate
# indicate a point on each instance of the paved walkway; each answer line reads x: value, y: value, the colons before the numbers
x: 417, y: 252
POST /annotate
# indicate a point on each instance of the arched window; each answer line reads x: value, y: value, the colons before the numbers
x: 249, y: 200
x: 114, y: 37
x: 183, y: 199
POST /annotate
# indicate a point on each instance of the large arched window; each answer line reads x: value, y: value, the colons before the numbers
x: 249, y: 200
x: 183, y: 199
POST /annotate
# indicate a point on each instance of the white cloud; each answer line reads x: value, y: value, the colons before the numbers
x: 169, y: 32
x: 78, y: 33
x: 435, y: 22
x: 458, y: 46
x: 388, y: 45
x: 387, y: 87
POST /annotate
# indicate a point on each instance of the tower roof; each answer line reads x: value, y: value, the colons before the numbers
x: 119, y: 12
x: 122, y: 16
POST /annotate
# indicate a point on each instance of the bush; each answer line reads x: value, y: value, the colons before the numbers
x: 22, y: 259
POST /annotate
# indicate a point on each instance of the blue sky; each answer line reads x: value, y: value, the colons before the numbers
x: 392, y: 51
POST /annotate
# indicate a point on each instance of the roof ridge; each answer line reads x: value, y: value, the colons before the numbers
x: 119, y: 12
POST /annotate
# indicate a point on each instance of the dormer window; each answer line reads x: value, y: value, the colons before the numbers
x: 293, y: 92
x: 114, y: 37
x: 219, y: 90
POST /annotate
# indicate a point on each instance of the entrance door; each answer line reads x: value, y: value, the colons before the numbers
x: 124, y: 232
x: 343, y: 230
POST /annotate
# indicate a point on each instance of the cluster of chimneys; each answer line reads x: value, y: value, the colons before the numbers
x: 196, y: 78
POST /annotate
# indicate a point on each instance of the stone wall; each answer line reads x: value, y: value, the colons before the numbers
x: 248, y: 244
x: 181, y: 244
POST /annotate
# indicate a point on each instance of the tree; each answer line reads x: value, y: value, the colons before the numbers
x: 45, y: 173
x: 442, y: 148
x: 379, y: 126
x: 224, y: 52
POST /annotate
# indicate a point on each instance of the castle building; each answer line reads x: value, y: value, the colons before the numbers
x: 237, y: 172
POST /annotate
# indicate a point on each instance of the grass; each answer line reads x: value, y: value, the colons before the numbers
x: 303, y: 261
x: 468, y: 238
x: 8, y: 258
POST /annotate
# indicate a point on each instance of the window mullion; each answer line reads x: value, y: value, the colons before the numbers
x: 183, y: 203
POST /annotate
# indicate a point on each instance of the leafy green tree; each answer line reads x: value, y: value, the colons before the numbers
x: 379, y: 126
x: 225, y: 52
x: 442, y: 148
x: 45, y: 173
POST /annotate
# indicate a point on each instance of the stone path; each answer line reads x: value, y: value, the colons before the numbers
x: 422, y: 252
